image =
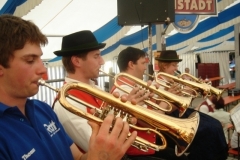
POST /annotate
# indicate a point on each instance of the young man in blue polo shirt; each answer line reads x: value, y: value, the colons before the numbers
x: 30, y: 130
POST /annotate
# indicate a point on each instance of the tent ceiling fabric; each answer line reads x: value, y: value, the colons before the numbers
x: 26, y: 7
x: 9, y: 6
x: 56, y: 19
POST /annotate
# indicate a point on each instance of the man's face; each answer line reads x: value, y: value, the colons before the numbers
x: 92, y: 64
x: 20, y: 80
x: 140, y: 67
x: 171, y: 68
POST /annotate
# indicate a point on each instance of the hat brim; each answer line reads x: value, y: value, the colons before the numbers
x: 168, y: 60
x: 75, y: 51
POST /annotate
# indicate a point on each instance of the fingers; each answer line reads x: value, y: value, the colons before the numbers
x: 130, y: 140
x: 112, y: 144
x: 106, y: 125
x: 92, y: 111
x: 116, y: 94
x: 149, y: 82
x: 133, y: 120
x: 124, y: 141
x: 120, y: 130
x: 156, y: 85
x: 134, y: 93
x: 118, y: 125
x: 138, y: 95
x: 175, y: 89
x: 124, y: 98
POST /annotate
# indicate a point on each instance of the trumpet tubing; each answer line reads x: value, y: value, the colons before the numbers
x: 181, y: 130
x: 181, y: 102
x: 212, y: 90
x: 146, y: 101
x: 203, y: 88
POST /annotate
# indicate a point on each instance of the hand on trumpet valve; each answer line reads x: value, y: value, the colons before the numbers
x: 175, y: 88
x: 123, y: 98
x: 138, y: 95
x: 103, y: 141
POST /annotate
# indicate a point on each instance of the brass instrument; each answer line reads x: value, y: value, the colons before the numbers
x: 212, y: 89
x: 181, y: 102
x: 180, y: 130
x: 203, y: 88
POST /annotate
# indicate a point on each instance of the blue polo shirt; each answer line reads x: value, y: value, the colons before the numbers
x: 39, y: 136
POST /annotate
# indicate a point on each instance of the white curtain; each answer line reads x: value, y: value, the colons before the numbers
x: 188, y: 61
x: 221, y: 57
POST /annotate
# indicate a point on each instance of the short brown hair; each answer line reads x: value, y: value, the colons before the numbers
x: 127, y: 55
x: 67, y: 62
x: 161, y: 65
x: 219, y: 103
x: 15, y: 32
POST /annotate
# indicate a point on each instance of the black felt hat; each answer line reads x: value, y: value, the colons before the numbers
x: 79, y: 42
x: 168, y: 56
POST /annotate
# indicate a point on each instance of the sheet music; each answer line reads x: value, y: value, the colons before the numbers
x: 235, y: 116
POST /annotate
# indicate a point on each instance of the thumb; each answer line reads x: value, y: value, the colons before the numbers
x: 95, y: 128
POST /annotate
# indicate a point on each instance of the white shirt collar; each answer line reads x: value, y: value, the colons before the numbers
x: 67, y: 79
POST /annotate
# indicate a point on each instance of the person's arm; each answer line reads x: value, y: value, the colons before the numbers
x: 76, y: 127
x: 77, y: 154
x: 203, y: 109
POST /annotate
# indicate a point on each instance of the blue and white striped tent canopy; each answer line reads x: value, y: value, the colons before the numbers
x: 56, y: 19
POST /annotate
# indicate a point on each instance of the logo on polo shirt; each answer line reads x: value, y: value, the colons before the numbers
x: 51, y: 128
x: 26, y: 156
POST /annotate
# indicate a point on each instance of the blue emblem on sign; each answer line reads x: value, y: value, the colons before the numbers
x: 185, y: 23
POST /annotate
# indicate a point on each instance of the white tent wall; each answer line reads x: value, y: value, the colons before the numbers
x: 221, y: 57
x: 188, y: 60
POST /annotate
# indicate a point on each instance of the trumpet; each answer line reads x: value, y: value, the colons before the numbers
x: 212, y: 90
x: 181, y: 102
x: 182, y: 131
x: 202, y: 88
x: 190, y: 92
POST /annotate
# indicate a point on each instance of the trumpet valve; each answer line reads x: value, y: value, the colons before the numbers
x: 105, y: 111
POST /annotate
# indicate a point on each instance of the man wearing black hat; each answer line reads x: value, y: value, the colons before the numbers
x: 82, y: 60
x: 209, y: 142
x: 132, y: 61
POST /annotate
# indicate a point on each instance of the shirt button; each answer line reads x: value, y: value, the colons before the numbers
x: 21, y: 119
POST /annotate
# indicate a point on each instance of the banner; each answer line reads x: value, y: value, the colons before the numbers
x: 187, y: 13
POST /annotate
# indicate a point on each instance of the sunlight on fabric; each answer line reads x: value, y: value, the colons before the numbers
x: 2, y: 3
x: 135, y: 29
x: 174, y: 31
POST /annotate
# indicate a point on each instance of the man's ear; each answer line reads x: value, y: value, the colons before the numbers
x: 1, y: 70
x: 130, y: 64
x: 76, y: 61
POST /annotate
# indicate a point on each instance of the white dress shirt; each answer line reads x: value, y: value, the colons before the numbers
x: 76, y: 127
